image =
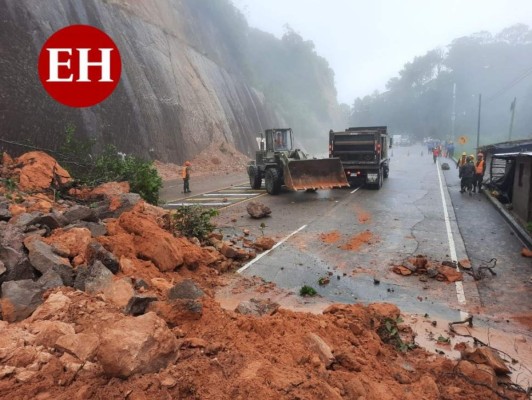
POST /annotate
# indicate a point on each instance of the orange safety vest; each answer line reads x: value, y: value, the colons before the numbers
x: 184, y: 172
x: 480, y: 167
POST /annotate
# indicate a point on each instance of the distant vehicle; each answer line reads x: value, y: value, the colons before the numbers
x: 279, y: 164
x: 363, y: 152
x: 397, y: 140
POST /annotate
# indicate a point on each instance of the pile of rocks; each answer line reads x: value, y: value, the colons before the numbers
x: 423, y: 267
x: 108, y: 248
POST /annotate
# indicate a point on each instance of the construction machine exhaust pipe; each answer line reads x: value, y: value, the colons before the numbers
x: 326, y: 173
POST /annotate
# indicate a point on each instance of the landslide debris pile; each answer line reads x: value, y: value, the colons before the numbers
x: 425, y: 268
x: 219, y: 158
x: 98, y: 300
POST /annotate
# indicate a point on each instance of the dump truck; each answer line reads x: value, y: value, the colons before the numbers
x: 363, y: 152
x: 280, y: 164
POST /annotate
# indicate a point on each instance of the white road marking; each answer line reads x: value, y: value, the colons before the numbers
x: 460, y: 294
x: 249, y: 264
x: 230, y: 194
x: 356, y: 189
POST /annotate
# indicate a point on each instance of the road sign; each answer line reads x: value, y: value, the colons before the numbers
x: 462, y: 139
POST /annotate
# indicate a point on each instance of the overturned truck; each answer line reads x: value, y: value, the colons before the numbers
x: 280, y: 164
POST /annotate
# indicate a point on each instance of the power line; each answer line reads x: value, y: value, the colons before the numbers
x: 514, y: 82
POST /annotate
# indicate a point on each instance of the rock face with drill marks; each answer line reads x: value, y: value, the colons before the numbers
x: 180, y: 90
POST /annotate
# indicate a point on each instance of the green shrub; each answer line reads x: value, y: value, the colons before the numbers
x: 388, y: 331
x: 76, y: 156
x: 194, y: 221
x: 9, y: 183
x: 307, y: 291
x: 141, y: 175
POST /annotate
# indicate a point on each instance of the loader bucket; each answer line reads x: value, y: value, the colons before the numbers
x: 324, y: 173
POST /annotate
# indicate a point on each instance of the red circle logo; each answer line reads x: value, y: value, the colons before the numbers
x: 79, y: 66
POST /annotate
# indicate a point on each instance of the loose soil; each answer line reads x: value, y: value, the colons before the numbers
x: 357, y: 241
x: 332, y: 352
x: 330, y: 237
x: 217, y: 159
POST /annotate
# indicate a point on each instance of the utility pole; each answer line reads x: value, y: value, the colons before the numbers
x: 453, y: 115
x: 478, y: 124
x: 512, y: 109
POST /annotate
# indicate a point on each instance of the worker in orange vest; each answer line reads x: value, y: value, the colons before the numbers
x: 185, y: 174
x: 480, y: 168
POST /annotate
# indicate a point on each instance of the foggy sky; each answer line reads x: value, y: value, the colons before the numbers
x: 366, y: 42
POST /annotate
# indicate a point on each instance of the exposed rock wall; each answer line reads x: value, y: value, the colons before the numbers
x: 179, y: 89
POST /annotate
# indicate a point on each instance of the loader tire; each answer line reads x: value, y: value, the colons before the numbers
x: 255, y: 180
x: 272, y: 181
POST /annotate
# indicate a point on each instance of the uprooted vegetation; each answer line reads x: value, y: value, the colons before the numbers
x: 91, y: 168
x: 101, y: 299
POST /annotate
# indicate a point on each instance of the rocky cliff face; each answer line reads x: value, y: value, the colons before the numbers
x: 179, y: 89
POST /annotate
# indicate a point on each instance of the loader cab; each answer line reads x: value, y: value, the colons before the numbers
x: 279, y: 140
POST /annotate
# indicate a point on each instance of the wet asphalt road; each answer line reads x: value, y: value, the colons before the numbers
x: 405, y: 218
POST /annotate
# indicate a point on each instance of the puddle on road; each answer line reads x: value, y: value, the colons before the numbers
x: 516, y: 346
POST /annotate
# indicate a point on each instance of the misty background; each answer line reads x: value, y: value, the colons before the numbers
x: 200, y: 74
x: 396, y: 63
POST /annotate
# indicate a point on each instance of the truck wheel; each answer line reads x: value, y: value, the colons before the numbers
x: 377, y: 185
x: 386, y: 172
x: 255, y: 180
x: 272, y: 181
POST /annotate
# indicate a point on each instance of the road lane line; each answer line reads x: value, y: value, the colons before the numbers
x: 188, y: 204
x: 249, y: 264
x: 229, y: 194
x: 460, y: 294
x: 356, y: 189
x: 244, y: 201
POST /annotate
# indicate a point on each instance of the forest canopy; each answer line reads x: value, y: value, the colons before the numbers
x: 419, y: 101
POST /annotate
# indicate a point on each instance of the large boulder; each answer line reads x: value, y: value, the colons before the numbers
x: 258, y: 210
x: 94, y: 278
x: 486, y: 356
x: 74, y: 241
x: 52, y: 220
x: 174, y: 312
x: 134, y: 345
x: 80, y: 213
x: 186, y: 289
x: 40, y: 171
x: 43, y: 258
x: 20, y: 299
x: 96, y: 252
x: 138, y: 304
x: 264, y: 243
x: 96, y: 228
x: 56, y: 306
x: 151, y: 242
x: 13, y: 256
x: 47, y: 332
x: 257, y: 307
x: 81, y: 345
